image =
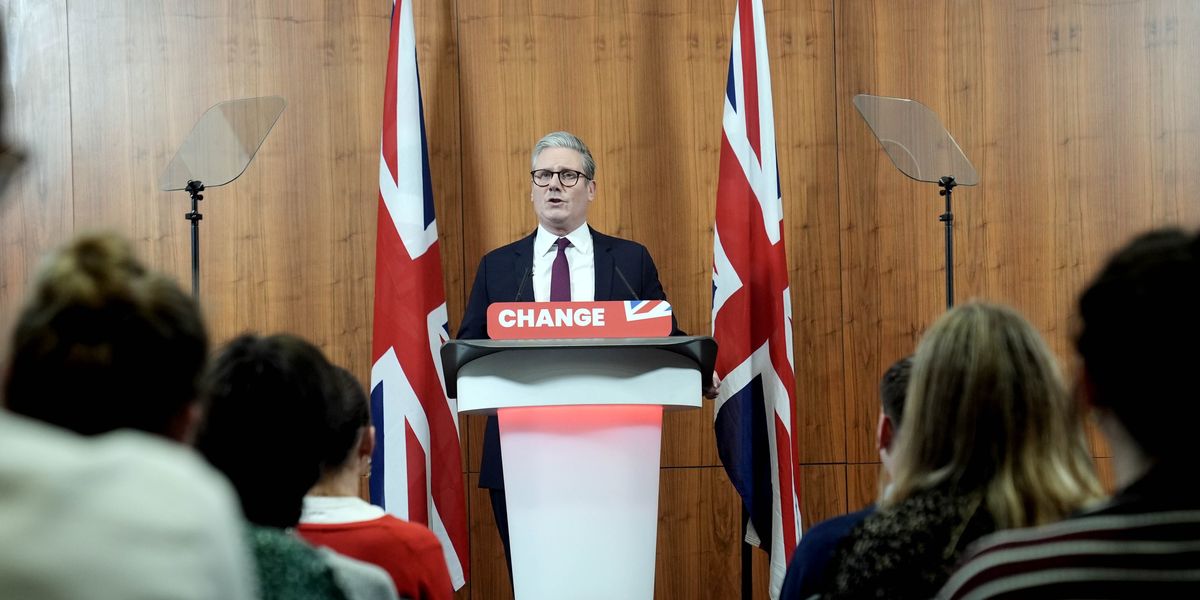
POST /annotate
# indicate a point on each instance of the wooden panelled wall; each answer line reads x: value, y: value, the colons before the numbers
x: 1082, y: 117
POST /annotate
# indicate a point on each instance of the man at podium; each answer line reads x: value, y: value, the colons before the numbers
x: 562, y: 260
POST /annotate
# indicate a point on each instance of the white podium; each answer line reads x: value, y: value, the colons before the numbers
x: 580, y: 432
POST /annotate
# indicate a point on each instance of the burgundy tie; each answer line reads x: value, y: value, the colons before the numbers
x: 560, y: 274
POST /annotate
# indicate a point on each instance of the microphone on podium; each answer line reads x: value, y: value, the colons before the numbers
x: 632, y: 294
x: 521, y: 287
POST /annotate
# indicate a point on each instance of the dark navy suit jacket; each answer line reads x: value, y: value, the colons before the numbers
x: 810, y: 570
x: 624, y: 271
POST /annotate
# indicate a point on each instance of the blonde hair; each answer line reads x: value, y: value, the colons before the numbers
x: 988, y: 415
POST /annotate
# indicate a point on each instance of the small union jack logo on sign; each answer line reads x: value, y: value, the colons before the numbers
x: 637, y: 310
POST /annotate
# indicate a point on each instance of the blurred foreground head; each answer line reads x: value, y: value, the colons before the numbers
x: 1138, y: 340
x: 103, y: 343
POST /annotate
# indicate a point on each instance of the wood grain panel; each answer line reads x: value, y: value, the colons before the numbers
x: 168, y: 75
x: 822, y: 493
x: 36, y: 206
x: 862, y: 485
x: 1067, y: 159
x: 489, y: 572
x: 891, y: 246
x: 800, y: 38
x: 1031, y: 232
x: 699, y: 535
x: 699, y: 531
x: 1172, y: 48
x: 681, y: 54
x: 289, y: 245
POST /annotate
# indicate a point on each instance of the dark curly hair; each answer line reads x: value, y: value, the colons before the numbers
x: 267, y: 423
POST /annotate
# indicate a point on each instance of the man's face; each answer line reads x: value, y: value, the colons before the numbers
x: 561, y: 209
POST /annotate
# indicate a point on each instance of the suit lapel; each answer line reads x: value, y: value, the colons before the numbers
x: 523, y: 267
x: 603, y: 262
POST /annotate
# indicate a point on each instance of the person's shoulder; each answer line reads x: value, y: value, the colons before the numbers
x: 1154, y: 550
x: 920, y: 524
x: 414, y: 535
x: 620, y: 246
x: 111, y: 505
x: 1023, y: 551
x: 614, y: 241
x: 289, y: 566
x: 162, y: 461
x: 381, y: 533
x: 1103, y: 524
x: 151, y: 472
x: 360, y: 580
x: 832, y: 530
x: 511, y: 248
x: 995, y: 557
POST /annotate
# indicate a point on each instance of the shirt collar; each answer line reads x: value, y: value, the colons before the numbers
x: 581, y: 239
x: 338, y: 509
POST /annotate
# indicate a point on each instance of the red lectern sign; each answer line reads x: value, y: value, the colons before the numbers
x: 573, y: 320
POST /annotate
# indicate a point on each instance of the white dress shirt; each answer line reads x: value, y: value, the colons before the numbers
x: 580, y: 258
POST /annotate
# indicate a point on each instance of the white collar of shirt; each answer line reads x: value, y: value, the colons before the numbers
x: 546, y: 242
x: 580, y: 257
x: 326, y: 510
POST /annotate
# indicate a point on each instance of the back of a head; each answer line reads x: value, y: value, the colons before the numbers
x: 893, y: 389
x: 348, y: 413
x: 267, y: 422
x: 104, y: 343
x: 1140, y: 323
x: 987, y: 413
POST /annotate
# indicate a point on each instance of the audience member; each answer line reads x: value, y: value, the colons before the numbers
x: 808, y: 572
x: 990, y: 440
x: 123, y: 516
x: 265, y: 430
x: 1137, y: 339
x: 335, y: 516
x: 105, y: 343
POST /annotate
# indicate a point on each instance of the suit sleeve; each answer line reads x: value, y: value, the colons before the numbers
x: 474, y: 323
x: 652, y: 288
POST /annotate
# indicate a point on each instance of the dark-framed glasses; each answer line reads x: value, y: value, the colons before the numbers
x: 567, y: 177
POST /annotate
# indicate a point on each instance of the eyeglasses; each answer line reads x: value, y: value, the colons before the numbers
x: 566, y: 177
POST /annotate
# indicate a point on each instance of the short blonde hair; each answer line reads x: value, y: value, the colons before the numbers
x: 988, y: 414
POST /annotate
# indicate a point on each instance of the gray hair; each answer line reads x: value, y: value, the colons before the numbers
x: 564, y: 139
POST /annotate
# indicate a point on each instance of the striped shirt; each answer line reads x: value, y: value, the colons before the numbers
x: 1143, y: 544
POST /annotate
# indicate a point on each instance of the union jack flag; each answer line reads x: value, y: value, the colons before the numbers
x: 640, y: 310
x: 415, y: 470
x: 752, y: 311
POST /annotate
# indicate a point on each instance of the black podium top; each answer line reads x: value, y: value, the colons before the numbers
x: 700, y: 349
